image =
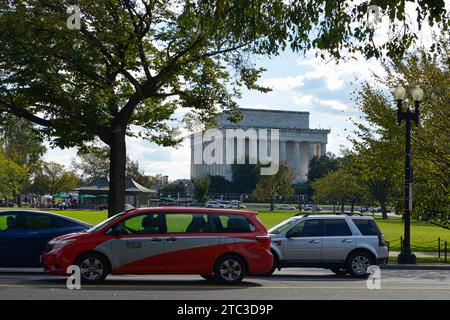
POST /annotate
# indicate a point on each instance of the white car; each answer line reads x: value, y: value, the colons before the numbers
x: 233, y: 205
x: 312, y: 207
x: 344, y: 244
x: 215, y: 204
x: 284, y: 207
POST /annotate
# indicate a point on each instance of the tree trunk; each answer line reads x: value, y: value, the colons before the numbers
x: 342, y: 206
x: 271, y: 205
x: 383, y: 210
x: 117, y: 158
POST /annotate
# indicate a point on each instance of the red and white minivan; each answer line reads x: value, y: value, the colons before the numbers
x: 219, y: 244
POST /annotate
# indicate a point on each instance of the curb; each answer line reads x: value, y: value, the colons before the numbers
x: 396, y: 266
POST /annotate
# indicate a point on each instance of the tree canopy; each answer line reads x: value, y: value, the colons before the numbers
x: 133, y: 63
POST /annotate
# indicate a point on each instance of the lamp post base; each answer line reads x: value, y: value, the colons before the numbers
x: 406, y: 258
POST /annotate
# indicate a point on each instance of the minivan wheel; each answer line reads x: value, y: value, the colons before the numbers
x: 93, y: 267
x: 339, y: 271
x: 357, y: 264
x: 229, y: 269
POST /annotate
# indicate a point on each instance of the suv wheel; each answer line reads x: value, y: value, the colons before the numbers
x: 94, y: 267
x: 229, y: 269
x: 339, y: 271
x: 357, y: 264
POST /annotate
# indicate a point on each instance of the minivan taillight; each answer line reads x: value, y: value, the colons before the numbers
x: 381, y: 240
x: 263, y: 239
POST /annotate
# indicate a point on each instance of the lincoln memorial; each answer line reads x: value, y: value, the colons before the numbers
x: 297, y: 142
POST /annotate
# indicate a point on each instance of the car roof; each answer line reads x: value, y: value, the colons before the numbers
x: 190, y: 210
x: 335, y: 216
x: 47, y: 214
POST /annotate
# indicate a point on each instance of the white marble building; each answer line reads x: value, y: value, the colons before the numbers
x: 297, y: 142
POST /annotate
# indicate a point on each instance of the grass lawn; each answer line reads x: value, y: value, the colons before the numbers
x: 424, y: 235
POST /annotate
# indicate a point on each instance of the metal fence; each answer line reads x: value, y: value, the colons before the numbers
x: 440, y: 246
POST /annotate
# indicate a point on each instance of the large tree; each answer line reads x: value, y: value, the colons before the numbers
x: 54, y: 178
x: 380, y: 141
x: 22, y: 144
x: 279, y: 184
x: 341, y: 184
x: 11, y: 177
x: 132, y: 63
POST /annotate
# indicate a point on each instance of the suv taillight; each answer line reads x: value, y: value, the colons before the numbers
x: 381, y: 240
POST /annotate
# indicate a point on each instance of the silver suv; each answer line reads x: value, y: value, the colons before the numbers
x: 344, y: 244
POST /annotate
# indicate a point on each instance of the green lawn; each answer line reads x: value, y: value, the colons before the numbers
x: 423, y: 234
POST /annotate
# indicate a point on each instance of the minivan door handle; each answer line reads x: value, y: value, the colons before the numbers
x: 171, y: 239
x: 314, y: 241
x: 156, y: 240
x: 347, y: 240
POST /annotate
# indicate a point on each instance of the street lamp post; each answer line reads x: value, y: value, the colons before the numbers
x: 406, y: 256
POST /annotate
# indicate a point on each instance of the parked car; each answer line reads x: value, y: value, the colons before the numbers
x: 312, y: 207
x: 224, y: 245
x: 235, y: 204
x: 215, y: 204
x: 24, y: 234
x: 196, y: 204
x: 285, y: 207
x: 344, y: 244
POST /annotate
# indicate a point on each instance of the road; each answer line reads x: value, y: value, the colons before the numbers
x: 288, y: 284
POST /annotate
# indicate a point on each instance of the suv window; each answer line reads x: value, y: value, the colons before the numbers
x: 306, y: 228
x: 228, y: 223
x: 336, y: 227
x: 367, y: 227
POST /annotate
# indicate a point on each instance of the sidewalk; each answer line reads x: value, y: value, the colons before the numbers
x: 393, y: 265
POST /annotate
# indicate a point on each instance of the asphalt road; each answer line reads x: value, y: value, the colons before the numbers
x: 287, y: 284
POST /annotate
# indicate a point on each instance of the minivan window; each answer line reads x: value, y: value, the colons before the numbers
x: 336, y: 227
x: 187, y: 223
x: 148, y: 223
x: 367, y: 227
x: 229, y: 223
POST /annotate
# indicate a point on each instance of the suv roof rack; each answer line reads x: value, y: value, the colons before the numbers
x: 301, y: 214
x: 350, y: 213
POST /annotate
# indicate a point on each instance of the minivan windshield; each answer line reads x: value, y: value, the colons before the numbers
x: 105, y: 222
x: 283, y: 226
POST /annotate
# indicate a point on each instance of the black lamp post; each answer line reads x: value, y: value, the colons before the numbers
x: 406, y: 256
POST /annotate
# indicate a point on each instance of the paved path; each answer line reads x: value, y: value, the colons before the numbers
x: 287, y: 284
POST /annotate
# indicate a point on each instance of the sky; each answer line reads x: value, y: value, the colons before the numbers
x: 299, y: 83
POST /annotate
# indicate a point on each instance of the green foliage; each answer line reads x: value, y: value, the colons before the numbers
x: 53, y: 178
x: 245, y: 176
x: 12, y: 176
x: 221, y: 185
x: 201, y: 188
x: 279, y: 184
x: 320, y: 166
x: 341, y: 185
